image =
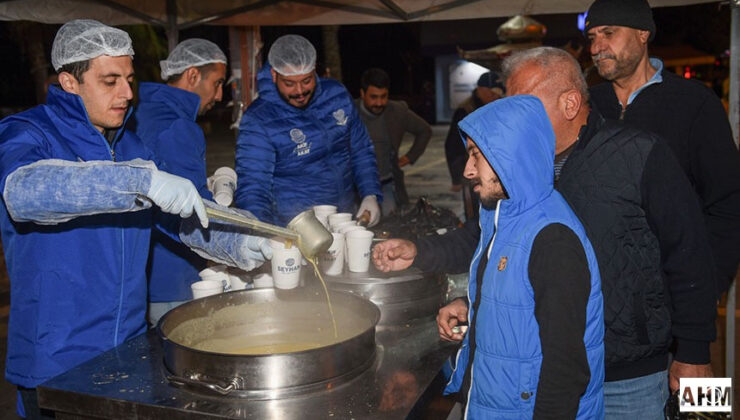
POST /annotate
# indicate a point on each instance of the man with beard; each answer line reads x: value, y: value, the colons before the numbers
x: 302, y: 142
x: 387, y: 121
x: 534, y: 348
x: 687, y: 114
x: 194, y: 74
x: 639, y: 211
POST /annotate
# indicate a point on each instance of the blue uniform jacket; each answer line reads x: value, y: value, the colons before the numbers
x: 165, y: 120
x: 77, y: 288
x: 289, y: 159
x: 515, y: 136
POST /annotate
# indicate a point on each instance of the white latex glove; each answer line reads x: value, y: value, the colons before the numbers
x: 370, y: 203
x: 257, y: 248
x: 176, y: 195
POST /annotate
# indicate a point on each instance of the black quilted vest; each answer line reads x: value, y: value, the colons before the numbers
x: 601, y: 180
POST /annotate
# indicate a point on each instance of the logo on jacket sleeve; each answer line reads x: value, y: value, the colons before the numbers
x: 340, y: 116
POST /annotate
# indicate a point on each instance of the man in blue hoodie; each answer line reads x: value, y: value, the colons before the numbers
x: 194, y: 74
x: 76, y: 216
x: 535, y: 342
x: 302, y: 142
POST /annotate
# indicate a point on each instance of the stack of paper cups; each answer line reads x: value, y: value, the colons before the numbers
x: 224, y: 184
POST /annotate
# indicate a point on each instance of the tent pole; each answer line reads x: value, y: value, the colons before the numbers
x: 734, y: 121
x: 173, y: 33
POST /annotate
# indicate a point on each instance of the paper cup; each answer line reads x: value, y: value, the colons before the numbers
x: 224, y: 184
x: 286, y: 265
x: 337, y: 218
x: 217, y: 273
x: 239, y: 279
x: 205, y: 288
x: 322, y: 213
x: 346, y: 229
x: 325, y: 208
x: 359, y: 243
x: 262, y: 280
x: 332, y: 261
x: 338, y: 228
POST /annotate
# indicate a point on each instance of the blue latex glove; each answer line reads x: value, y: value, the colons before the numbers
x: 176, y: 195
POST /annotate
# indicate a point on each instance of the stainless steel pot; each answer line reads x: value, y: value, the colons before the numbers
x: 265, y: 318
x: 401, y: 296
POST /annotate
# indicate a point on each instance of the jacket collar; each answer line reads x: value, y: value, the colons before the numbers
x: 71, y: 110
x: 185, y: 104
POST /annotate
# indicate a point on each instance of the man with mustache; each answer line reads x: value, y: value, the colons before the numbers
x: 302, y: 142
x: 78, y: 192
x: 194, y: 74
x: 687, y: 114
x: 387, y: 121
x: 639, y: 210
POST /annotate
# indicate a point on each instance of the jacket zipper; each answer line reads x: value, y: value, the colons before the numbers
x: 472, y: 365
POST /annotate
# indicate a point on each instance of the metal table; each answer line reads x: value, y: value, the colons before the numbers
x: 129, y: 382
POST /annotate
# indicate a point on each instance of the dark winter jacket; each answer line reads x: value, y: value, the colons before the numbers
x: 640, y: 213
x: 691, y: 119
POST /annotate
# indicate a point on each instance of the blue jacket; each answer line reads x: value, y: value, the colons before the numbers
x: 165, y: 120
x: 515, y: 136
x: 289, y: 159
x: 77, y: 288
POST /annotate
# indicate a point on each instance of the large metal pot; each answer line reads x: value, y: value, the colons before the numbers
x: 203, y: 339
x: 401, y: 296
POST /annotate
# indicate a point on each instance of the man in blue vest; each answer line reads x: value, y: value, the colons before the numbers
x: 76, y: 219
x: 535, y: 342
x: 194, y: 74
x: 302, y: 142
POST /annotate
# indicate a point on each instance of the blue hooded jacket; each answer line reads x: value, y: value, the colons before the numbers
x: 516, y: 138
x: 289, y: 159
x: 165, y: 120
x: 78, y: 288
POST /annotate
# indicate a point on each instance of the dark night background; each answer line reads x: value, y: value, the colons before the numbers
x: 406, y: 51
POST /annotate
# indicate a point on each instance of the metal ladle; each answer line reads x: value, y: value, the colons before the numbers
x: 305, y: 229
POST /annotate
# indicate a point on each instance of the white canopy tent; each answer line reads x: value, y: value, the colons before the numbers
x: 175, y: 15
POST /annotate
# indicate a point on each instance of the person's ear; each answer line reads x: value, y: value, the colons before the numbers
x: 570, y: 103
x: 643, y: 36
x: 69, y: 83
x: 274, y: 75
x: 192, y: 75
x: 362, y: 93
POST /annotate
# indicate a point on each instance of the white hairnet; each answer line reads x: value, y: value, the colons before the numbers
x: 85, y: 39
x: 292, y: 55
x: 193, y: 52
